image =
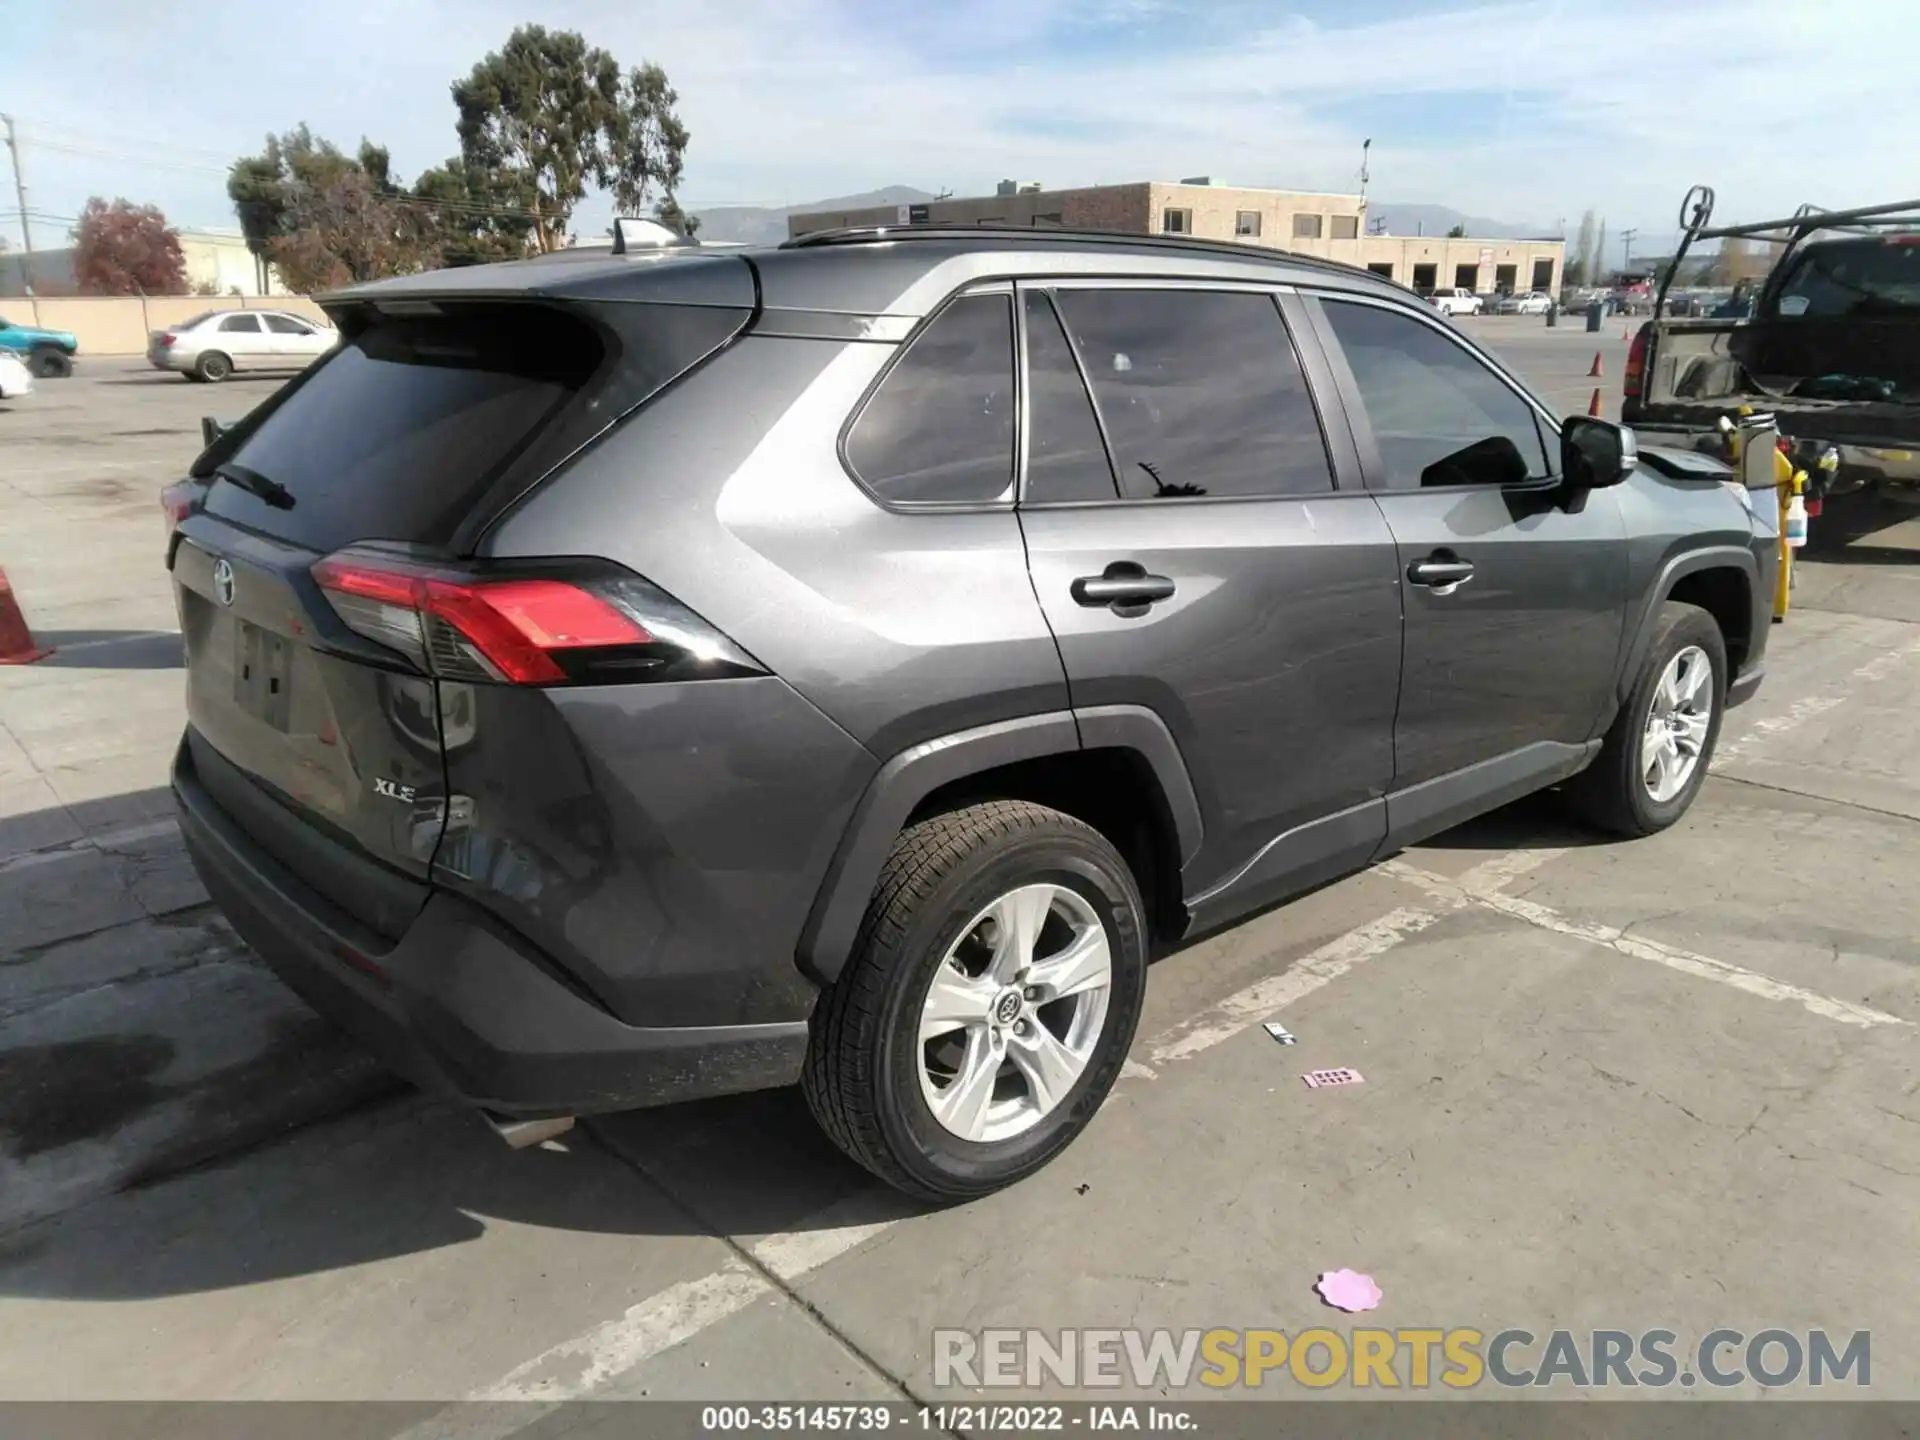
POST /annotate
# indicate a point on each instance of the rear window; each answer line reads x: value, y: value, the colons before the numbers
x: 398, y: 433
x: 1853, y: 277
x: 412, y: 427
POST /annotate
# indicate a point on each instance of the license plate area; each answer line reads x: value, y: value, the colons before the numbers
x: 262, y: 675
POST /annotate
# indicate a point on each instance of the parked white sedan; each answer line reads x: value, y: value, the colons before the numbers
x: 216, y: 344
x: 15, y: 379
x: 1534, y: 302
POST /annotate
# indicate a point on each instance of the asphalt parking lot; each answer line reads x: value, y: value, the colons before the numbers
x: 1661, y: 1085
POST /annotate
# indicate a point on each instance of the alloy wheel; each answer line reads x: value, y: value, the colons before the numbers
x: 1678, y: 718
x: 1013, y: 1013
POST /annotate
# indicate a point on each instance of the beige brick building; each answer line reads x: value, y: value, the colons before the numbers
x: 1331, y: 226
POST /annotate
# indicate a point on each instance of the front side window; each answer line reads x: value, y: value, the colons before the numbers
x: 939, y: 429
x: 241, y: 325
x: 1200, y: 391
x: 287, y: 325
x: 1439, y: 415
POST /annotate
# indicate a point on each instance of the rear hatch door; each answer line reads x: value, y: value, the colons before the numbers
x: 315, y: 717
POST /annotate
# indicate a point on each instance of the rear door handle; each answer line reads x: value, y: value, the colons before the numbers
x: 1124, y: 587
x: 1442, y: 571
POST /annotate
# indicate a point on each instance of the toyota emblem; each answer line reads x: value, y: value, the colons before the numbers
x: 223, y: 582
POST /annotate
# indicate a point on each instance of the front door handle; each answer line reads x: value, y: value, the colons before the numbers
x: 1443, y: 571
x: 1124, y: 587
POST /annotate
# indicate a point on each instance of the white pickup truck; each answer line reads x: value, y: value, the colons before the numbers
x: 1456, y: 302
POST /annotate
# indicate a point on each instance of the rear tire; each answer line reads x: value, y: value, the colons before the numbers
x: 883, y: 1055
x: 1616, y: 792
x: 48, y: 363
x: 213, y: 367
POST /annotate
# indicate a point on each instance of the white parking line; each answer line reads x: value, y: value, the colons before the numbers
x: 1248, y: 1007
x: 1320, y: 967
x: 1674, y: 958
x: 677, y: 1313
x: 1812, y: 706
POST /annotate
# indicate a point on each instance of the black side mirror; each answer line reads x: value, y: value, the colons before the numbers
x: 1595, y: 453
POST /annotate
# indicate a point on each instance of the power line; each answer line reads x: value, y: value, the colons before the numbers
x: 30, y: 129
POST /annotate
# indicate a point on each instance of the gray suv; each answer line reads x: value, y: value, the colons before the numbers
x: 618, y: 679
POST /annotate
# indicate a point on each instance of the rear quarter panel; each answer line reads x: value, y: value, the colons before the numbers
x: 662, y: 842
x: 729, y: 493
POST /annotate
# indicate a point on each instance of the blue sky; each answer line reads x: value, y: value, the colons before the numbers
x: 1529, y: 111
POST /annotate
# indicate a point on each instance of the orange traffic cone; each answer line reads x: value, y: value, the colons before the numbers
x: 1594, y: 372
x: 1593, y: 406
x: 16, y: 641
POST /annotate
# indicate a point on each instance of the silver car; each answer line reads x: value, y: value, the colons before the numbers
x: 216, y: 344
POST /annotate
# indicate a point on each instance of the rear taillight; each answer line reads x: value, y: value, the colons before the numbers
x: 168, y: 340
x: 1634, y: 379
x: 177, y: 501
x: 581, y: 623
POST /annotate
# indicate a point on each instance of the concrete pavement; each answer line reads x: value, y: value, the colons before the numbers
x: 136, y: 1034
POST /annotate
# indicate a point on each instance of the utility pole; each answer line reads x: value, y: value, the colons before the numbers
x: 20, y: 194
x: 1366, y: 151
x: 1626, y: 248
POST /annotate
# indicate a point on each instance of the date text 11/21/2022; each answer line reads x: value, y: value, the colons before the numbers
x: 964, y: 1418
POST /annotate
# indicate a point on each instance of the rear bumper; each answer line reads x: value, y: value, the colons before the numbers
x: 459, y: 1004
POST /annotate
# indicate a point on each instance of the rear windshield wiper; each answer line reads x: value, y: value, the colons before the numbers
x: 254, y: 483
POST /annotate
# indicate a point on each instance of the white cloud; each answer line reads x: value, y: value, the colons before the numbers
x: 1621, y: 107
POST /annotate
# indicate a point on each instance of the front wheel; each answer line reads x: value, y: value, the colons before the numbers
x: 1656, y: 753
x: 50, y: 364
x: 988, y: 1004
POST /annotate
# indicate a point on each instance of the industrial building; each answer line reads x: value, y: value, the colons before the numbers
x: 1306, y: 222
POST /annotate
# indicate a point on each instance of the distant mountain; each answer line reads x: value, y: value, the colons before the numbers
x: 1438, y: 219
x: 762, y: 225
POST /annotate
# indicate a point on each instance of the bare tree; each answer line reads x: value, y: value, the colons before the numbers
x: 1580, y: 267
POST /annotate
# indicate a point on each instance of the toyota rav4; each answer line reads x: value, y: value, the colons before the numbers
x: 622, y: 678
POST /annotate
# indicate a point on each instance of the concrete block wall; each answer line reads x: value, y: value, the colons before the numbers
x: 120, y: 324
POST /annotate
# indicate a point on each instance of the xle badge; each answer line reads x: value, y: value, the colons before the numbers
x: 392, y: 790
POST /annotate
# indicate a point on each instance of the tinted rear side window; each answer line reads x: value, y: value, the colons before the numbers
x: 940, y: 427
x: 1066, y: 458
x: 1200, y: 391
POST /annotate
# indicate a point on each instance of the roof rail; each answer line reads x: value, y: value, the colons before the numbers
x: 1043, y: 234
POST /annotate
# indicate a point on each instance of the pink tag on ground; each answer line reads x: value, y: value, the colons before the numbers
x: 1348, y: 1290
x: 1316, y: 1079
